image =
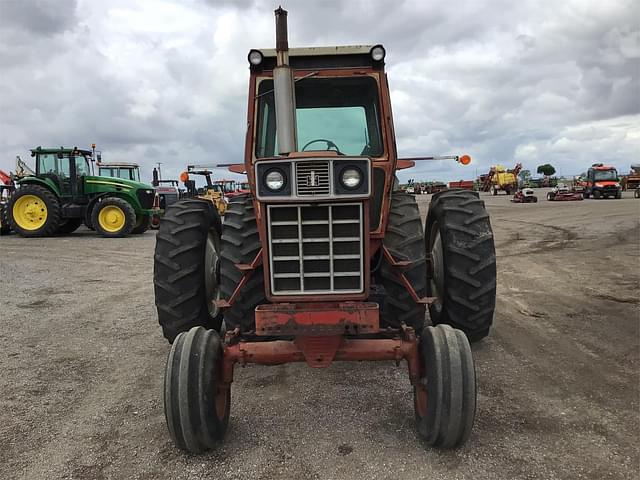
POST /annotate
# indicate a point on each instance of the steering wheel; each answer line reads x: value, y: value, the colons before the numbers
x: 329, y: 143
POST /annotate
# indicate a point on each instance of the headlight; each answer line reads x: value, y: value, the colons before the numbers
x: 255, y: 57
x: 377, y: 53
x: 351, y: 177
x: 274, y: 180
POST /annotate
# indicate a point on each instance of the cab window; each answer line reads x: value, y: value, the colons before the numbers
x: 82, y: 166
x: 51, y: 164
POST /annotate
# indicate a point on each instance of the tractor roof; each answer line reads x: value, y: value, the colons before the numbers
x: 60, y: 150
x: 119, y: 165
x: 603, y: 167
x: 322, y: 57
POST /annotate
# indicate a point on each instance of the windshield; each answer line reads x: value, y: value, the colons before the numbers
x: 600, y: 175
x: 331, y: 113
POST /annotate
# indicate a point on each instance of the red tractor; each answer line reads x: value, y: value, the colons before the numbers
x: 325, y: 259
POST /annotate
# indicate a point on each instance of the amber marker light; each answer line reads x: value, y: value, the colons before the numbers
x: 465, y: 160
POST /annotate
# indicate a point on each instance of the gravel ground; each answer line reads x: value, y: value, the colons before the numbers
x: 82, y: 359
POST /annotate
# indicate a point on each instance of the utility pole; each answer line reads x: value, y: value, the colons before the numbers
x: 159, y: 170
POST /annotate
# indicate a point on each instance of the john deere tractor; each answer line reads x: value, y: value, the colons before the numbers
x: 325, y: 259
x: 63, y: 193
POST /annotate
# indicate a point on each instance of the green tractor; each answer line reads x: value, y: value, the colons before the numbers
x: 63, y: 194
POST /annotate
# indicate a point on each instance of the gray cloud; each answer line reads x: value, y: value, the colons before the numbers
x: 166, y: 81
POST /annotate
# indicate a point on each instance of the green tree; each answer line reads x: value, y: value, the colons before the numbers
x: 547, y: 170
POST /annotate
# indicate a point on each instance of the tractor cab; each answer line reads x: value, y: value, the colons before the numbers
x: 65, y: 167
x: 126, y: 171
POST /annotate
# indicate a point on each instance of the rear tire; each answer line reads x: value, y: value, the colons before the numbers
x: 53, y: 211
x: 459, y: 238
x: 179, y: 273
x: 5, y: 226
x: 405, y: 240
x: 196, y: 404
x: 445, y: 403
x: 121, y: 226
x: 240, y: 244
x: 597, y: 195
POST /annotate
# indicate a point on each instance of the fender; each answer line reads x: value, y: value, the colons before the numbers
x: 43, y: 182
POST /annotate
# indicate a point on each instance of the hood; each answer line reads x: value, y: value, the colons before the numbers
x: 118, y: 182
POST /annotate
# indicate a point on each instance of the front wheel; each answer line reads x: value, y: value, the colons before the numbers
x: 196, y: 402
x: 113, y: 217
x: 459, y: 242
x: 445, y: 399
x: 597, y: 195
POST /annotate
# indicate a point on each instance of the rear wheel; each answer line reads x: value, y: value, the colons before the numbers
x: 459, y: 240
x: 113, y: 217
x: 240, y: 244
x: 585, y: 195
x: 196, y: 403
x: 445, y: 402
x: 34, y: 211
x: 5, y: 227
x: 596, y: 194
x: 186, y: 270
x: 405, y: 240
x: 69, y: 225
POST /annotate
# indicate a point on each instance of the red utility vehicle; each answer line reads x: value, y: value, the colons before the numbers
x: 602, y: 182
x: 324, y: 260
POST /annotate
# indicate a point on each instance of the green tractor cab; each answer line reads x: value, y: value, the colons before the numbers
x: 64, y: 193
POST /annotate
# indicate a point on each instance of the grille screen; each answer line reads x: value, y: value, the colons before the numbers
x: 315, y: 249
x: 312, y: 178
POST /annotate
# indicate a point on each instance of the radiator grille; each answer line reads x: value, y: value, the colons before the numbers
x: 312, y: 178
x: 316, y: 249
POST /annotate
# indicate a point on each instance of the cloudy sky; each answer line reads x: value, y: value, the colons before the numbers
x: 166, y: 81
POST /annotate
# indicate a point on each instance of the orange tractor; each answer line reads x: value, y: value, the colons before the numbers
x: 325, y: 259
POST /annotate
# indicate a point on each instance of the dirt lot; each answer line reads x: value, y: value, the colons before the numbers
x: 82, y: 358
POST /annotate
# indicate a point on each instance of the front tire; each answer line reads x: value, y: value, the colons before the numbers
x: 404, y: 239
x: 445, y: 402
x: 113, y: 217
x: 597, y: 194
x: 34, y: 211
x: 459, y: 239
x: 183, y: 294
x: 196, y: 403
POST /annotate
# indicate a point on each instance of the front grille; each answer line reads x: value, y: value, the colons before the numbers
x: 146, y: 199
x: 312, y: 178
x: 316, y: 249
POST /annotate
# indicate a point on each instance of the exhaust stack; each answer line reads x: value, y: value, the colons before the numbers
x: 284, y: 89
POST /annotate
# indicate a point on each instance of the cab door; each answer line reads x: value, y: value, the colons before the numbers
x: 57, y: 168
